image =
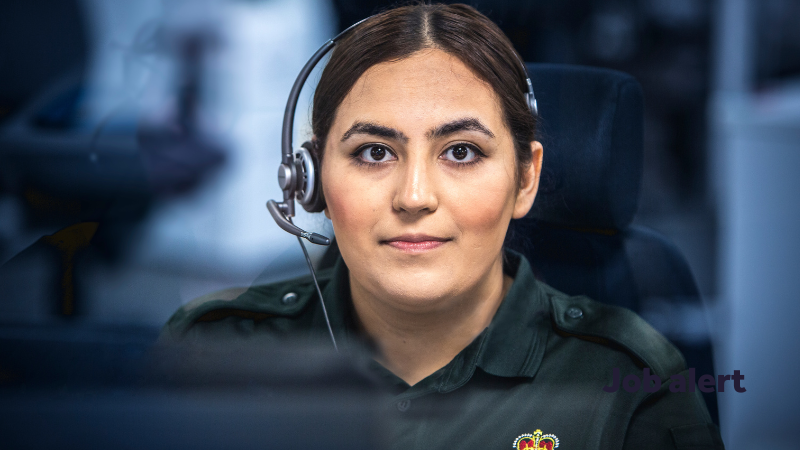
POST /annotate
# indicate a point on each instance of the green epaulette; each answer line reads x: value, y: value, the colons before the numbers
x: 285, y: 299
x: 587, y: 319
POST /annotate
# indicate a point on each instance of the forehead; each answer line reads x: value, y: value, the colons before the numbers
x: 428, y: 87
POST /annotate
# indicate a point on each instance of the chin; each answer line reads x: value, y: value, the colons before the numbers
x: 425, y: 288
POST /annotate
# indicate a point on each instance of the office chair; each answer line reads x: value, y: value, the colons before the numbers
x: 578, y: 236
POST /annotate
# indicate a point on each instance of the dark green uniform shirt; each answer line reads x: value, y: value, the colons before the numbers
x: 533, y: 379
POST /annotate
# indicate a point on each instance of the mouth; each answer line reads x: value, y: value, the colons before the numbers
x: 415, y: 243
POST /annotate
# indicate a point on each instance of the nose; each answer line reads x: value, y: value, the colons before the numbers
x: 416, y: 190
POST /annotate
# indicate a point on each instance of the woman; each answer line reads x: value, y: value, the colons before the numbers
x: 427, y: 151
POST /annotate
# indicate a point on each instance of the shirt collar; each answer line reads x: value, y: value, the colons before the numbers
x: 516, y: 338
x: 512, y: 346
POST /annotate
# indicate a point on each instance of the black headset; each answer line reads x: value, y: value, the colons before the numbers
x: 298, y: 174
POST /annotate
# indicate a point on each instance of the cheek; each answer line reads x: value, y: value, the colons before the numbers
x: 483, y: 216
x: 349, y: 211
x: 483, y: 206
x: 340, y: 205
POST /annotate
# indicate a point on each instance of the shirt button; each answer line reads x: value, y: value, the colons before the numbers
x: 403, y: 405
x: 573, y: 312
x: 289, y: 298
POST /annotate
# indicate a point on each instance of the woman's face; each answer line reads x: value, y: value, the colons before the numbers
x: 419, y: 179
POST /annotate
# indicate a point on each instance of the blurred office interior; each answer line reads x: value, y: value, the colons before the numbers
x: 202, y: 85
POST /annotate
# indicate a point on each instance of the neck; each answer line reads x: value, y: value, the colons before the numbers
x: 416, y: 343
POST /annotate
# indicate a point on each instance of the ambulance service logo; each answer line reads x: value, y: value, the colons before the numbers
x: 536, y: 441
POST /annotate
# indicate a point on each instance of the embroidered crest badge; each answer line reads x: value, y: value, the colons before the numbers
x: 536, y: 441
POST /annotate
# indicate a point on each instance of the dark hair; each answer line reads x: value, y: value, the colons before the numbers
x: 457, y: 29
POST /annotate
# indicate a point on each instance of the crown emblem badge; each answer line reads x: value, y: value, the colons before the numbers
x: 536, y: 441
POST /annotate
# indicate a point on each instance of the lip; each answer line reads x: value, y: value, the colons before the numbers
x: 415, y: 243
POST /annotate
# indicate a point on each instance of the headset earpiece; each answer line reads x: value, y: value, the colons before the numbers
x: 309, y: 194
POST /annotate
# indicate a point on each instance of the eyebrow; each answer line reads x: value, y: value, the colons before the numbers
x: 375, y: 130
x: 465, y: 124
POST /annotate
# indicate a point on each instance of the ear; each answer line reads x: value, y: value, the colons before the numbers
x: 530, y: 182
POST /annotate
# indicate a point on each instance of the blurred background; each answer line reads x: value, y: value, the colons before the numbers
x: 139, y: 143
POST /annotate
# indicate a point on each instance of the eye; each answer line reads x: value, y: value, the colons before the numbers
x: 375, y: 153
x: 461, y: 153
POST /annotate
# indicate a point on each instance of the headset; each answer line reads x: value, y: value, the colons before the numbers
x: 298, y: 174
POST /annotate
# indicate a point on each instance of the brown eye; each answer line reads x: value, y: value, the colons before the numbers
x: 376, y: 154
x: 460, y: 153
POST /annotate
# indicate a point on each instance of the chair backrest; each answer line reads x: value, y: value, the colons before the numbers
x: 578, y: 235
x: 591, y: 128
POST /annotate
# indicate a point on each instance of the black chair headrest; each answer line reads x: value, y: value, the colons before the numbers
x: 591, y: 128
